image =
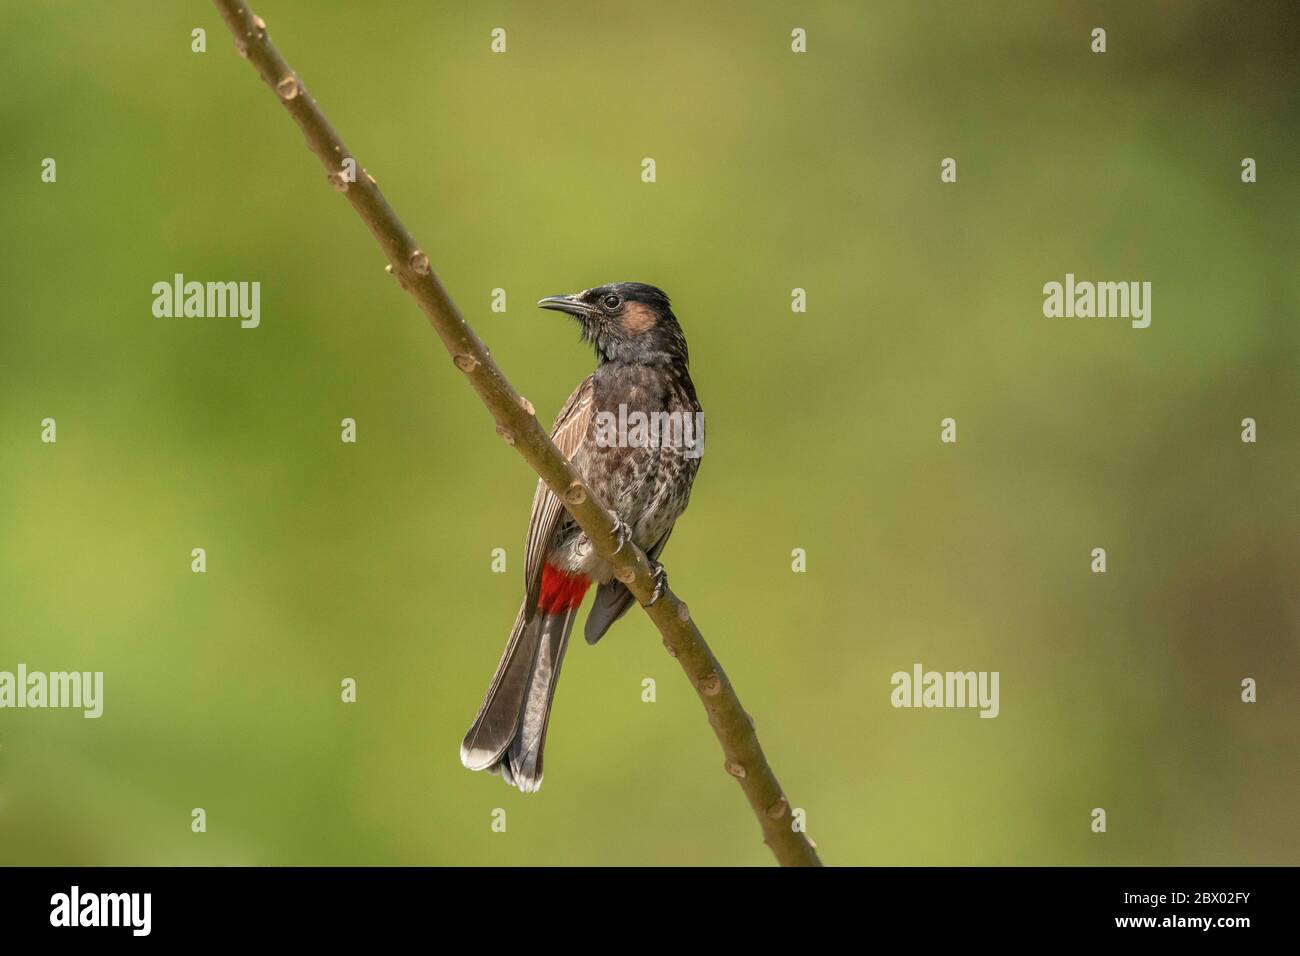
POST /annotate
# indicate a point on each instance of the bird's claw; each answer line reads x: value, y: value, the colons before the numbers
x: 622, y: 532
x: 660, y: 574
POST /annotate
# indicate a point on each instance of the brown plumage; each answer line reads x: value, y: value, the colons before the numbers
x: 643, y: 474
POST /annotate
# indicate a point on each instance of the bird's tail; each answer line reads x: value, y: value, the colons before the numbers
x: 509, y: 733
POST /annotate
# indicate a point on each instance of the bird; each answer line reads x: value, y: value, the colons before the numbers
x: 633, y: 429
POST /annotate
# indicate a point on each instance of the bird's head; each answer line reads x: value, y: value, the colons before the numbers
x: 625, y: 322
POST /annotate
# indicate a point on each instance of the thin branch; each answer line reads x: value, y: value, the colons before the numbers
x: 517, y: 424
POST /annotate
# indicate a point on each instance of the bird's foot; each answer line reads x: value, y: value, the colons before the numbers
x: 622, y: 533
x: 660, y: 574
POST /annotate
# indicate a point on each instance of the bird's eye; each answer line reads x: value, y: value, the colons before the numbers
x: 611, y: 301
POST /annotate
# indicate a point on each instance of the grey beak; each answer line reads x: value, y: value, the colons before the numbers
x: 566, y: 303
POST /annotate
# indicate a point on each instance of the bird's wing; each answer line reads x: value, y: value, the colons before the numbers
x: 570, y: 428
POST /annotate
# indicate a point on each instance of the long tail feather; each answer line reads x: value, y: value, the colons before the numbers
x: 494, y: 727
x: 509, y: 733
x: 525, y: 754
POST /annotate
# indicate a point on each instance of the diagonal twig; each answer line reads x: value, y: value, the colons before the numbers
x: 517, y: 424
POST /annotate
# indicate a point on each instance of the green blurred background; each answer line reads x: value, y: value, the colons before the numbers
x: 775, y: 170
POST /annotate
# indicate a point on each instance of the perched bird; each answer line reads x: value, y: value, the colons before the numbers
x: 643, y: 474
